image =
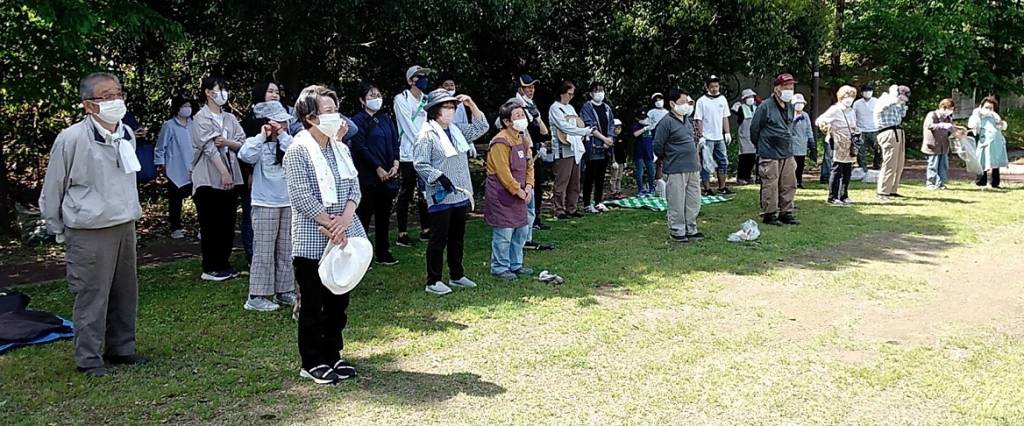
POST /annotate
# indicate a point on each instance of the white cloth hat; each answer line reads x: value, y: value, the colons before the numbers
x: 747, y: 93
x: 799, y: 99
x: 416, y: 70
x: 342, y: 268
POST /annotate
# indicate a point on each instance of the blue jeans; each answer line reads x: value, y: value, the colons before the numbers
x: 938, y: 169
x: 644, y: 175
x: 826, y: 165
x: 721, y: 157
x: 531, y: 215
x: 507, y: 249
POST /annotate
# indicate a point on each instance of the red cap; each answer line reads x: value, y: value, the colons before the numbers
x: 784, y: 79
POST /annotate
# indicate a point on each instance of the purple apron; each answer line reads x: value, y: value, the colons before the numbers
x: 505, y: 210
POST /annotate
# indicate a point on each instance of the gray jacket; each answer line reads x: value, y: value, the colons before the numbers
x: 771, y: 130
x: 675, y: 144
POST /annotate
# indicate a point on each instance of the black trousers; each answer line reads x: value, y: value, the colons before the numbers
x: 406, y: 193
x: 745, y: 168
x: 839, y: 181
x: 593, y: 181
x: 175, y: 196
x: 376, y: 203
x: 322, y: 317
x: 447, y: 231
x: 541, y: 174
x: 216, y: 209
x: 800, y: 161
x: 983, y: 180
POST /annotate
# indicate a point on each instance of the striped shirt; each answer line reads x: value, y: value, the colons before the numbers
x: 307, y: 204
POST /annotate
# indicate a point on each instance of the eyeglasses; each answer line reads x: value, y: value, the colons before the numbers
x: 110, y: 97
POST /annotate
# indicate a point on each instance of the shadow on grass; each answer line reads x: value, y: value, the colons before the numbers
x: 611, y: 255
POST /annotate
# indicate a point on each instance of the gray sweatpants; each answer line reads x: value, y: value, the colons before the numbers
x: 103, y: 277
x: 682, y: 192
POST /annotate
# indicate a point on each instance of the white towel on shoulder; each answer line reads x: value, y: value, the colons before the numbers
x: 324, y: 177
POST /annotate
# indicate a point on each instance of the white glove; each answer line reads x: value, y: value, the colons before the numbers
x: 60, y: 238
x: 728, y: 138
x: 472, y: 151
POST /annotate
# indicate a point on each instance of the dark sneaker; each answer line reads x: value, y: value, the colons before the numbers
x: 836, y: 203
x: 523, y: 271
x: 507, y: 275
x: 287, y: 299
x: 788, y: 219
x: 126, y: 359
x: 562, y: 216
x: 679, y: 238
x: 387, y: 260
x: 344, y: 370
x: 576, y: 214
x: 94, y: 371
x: 540, y: 226
x: 234, y: 273
x: 695, y: 237
x: 771, y: 219
x: 216, y: 276
x: 895, y: 195
x: 404, y: 240
x: 425, y: 236
x: 533, y: 245
x: 320, y: 374
x: 725, y: 190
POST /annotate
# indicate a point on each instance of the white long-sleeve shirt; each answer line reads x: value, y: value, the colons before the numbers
x: 410, y: 114
x: 557, y: 117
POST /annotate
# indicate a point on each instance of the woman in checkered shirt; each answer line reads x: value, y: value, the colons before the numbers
x: 314, y: 206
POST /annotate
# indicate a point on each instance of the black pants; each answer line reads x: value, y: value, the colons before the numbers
x: 745, y: 168
x: 593, y: 181
x: 541, y: 174
x: 408, y: 191
x: 983, y: 180
x: 447, y: 230
x: 216, y: 209
x: 376, y: 203
x: 322, y: 317
x: 175, y: 196
x: 839, y: 181
x: 800, y: 161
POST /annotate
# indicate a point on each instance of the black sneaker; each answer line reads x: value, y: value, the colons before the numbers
x: 533, y: 245
x: 725, y: 191
x: 320, y: 374
x: 541, y: 226
x: 679, y: 238
x: 562, y: 216
x: 895, y: 195
x: 771, y: 219
x: 94, y: 371
x: 234, y: 272
x: 126, y: 359
x: 404, y: 240
x: 576, y: 214
x: 344, y: 370
x: 788, y: 219
x: 695, y: 237
x: 387, y: 260
x: 425, y: 236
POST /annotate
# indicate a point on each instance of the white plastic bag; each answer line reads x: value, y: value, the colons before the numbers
x: 857, y: 174
x: 659, y: 187
x: 870, y: 177
x: 748, y: 232
x: 968, y: 152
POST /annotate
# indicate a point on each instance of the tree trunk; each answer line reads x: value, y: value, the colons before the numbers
x: 9, y: 226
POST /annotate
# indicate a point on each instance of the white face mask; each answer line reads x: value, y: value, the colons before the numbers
x: 683, y: 109
x: 786, y: 95
x: 111, y: 112
x: 520, y: 124
x: 749, y: 101
x: 847, y: 102
x: 329, y: 124
x: 185, y: 112
x: 659, y: 104
x: 798, y: 107
x: 867, y: 94
x: 986, y: 111
x: 221, y: 97
x: 375, y: 104
x: 598, y: 97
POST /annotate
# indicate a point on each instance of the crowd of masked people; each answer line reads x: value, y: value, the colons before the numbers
x: 307, y: 175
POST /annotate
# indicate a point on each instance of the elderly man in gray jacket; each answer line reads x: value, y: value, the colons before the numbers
x: 90, y: 201
x: 676, y: 145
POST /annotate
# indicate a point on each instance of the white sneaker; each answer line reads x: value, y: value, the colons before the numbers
x: 261, y: 304
x: 592, y: 209
x: 463, y: 282
x: 177, y: 234
x: 438, y: 288
x: 931, y: 187
x: 601, y: 207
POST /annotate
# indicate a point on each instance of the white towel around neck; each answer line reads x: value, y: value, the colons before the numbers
x: 324, y: 178
x: 449, y: 149
x: 125, y: 150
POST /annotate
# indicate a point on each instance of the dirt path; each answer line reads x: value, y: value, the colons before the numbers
x: 912, y: 290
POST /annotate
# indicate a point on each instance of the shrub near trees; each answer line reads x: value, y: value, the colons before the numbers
x: 635, y: 46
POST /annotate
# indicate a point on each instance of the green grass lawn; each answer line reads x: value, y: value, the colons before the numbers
x: 640, y: 333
